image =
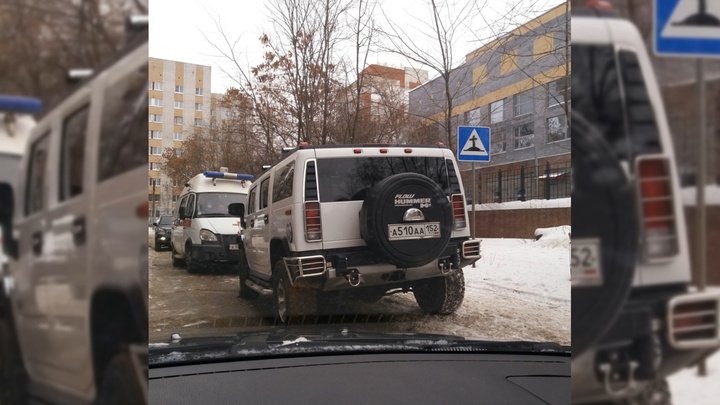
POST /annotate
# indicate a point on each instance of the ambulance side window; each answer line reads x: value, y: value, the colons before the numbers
x: 180, y: 203
x: 190, y: 208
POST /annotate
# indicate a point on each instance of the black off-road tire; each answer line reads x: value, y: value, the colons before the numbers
x: 120, y: 384
x: 243, y: 272
x: 291, y: 302
x: 383, y: 206
x: 440, y: 295
x: 191, y: 264
x: 13, y: 378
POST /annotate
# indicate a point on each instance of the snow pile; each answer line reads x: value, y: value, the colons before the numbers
x: 557, y: 236
x: 712, y: 195
x: 686, y: 387
x: 536, y: 267
x: 523, y: 205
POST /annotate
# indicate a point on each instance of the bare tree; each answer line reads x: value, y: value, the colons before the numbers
x: 40, y: 40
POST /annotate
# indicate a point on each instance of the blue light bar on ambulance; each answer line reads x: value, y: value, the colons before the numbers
x: 230, y: 176
x: 20, y: 104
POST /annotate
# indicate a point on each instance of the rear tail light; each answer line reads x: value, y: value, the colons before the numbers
x: 693, y: 320
x: 313, y: 224
x: 458, y: 207
x: 659, y: 231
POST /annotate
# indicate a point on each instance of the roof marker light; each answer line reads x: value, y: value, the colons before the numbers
x: 20, y: 104
x: 229, y: 176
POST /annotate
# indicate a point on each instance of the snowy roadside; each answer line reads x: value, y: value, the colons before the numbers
x: 687, y: 387
x: 519, y: 290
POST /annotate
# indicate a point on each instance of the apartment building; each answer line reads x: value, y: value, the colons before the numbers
x: 179, y: 101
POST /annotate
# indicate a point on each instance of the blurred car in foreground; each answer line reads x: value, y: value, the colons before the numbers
x: 75, y: 328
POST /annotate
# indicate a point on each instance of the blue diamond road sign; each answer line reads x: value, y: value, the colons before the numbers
x: 473, y: 144
x: 687, y: 28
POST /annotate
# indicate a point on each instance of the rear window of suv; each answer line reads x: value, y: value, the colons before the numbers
x: 350, y: 179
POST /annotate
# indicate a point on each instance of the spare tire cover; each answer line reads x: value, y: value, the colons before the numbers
x: 387, y: 203
x: 603, y: 207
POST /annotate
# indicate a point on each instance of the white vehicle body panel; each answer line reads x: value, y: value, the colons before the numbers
x: 623, y: 35
x: 54, y: 287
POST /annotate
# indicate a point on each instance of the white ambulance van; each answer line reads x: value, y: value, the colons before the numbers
x: 203, y: 232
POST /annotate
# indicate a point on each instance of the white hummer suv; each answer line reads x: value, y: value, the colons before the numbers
x: 636, y: 318
x: 357, y: 221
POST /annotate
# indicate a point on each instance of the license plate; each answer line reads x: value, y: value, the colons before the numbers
x: 585, y: 265
x: 426, y: 230
x: 234, y: 246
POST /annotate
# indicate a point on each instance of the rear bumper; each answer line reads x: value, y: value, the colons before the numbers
x: 334, y: 269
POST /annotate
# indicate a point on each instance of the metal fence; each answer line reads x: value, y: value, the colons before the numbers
x: 543, y: 182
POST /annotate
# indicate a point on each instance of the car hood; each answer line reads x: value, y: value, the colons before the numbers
x: 220, y: 225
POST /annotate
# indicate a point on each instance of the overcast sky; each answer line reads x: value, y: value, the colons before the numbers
x: 179, y: 28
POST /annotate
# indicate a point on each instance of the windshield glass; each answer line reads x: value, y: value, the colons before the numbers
x: 358, y: 221
x: 165, y: 220
x: 217, y: 203
x: 348, y: 179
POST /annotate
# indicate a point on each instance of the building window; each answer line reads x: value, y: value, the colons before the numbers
x: 497, y: 111
x: 154, y: 150
x: 198, y: 122
x: 556, y: 92
x: 178, y: 152
x: 155, y: 86
x: 178, y: 104
x: 155, y: 117
x: 499, y: 141
x: 154, y: 166
x: 178, y: 88
x: 198, y: 106
x: 523, y: 103
x: 154, y: 182
x: 198, y: 91
x: 474, y: 117
x: 178, y: 136
x: 155, y: 102
x: 524, y: 135
x: 178, y: 120
x: 557, y: 128
x: 154, y: 134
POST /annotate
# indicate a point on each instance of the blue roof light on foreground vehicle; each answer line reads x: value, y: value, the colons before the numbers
x: 20, y: 104
x: 230, y: 176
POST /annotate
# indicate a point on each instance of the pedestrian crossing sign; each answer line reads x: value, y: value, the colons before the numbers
x: 473, y: 144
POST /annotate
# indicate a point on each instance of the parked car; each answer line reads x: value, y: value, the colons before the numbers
x: 76, y: 328
x: 161, y: 230
x: 636, y: 318
x: 361, y: 220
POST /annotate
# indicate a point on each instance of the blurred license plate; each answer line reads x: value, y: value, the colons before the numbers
x: 234, y: 246
x: 585, y: 266
x: 425, y: 230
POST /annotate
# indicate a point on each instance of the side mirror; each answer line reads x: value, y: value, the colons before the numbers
x: 237, y: 210
x: 156, y: 223
x: 7, y: 205
x: 181, y: 212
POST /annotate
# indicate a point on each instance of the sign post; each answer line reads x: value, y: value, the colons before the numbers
x: 473, y: 146
x: 691, y: 29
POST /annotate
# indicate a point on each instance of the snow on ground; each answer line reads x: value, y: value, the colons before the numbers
x: 687, y: 387
x: 519, y: 290
x: 522, y: 205
x: 712, y: 195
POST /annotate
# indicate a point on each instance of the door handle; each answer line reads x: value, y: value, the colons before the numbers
x: 79, y: 231
x: 37, y: 243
